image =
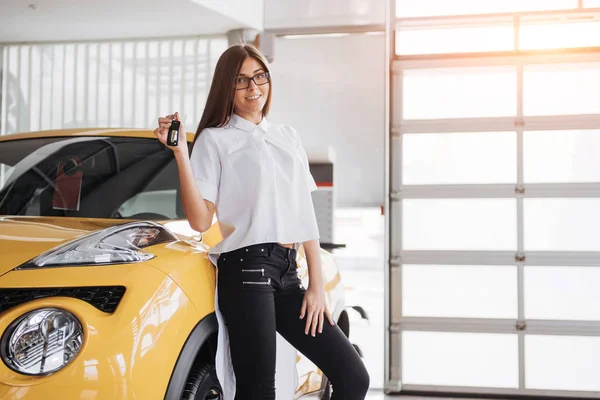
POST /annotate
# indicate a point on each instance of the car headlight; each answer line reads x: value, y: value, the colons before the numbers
x: 115, y: 245
x: 42, y: 341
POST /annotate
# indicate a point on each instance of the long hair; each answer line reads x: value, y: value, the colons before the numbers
x: 219, y: 104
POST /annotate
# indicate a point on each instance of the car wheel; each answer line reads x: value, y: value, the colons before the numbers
x: 327, y: 391
x: 203, y: 384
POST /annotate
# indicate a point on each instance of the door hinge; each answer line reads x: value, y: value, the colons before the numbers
x: 520, y: 189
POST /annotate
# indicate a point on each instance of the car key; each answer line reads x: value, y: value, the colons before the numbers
x: 173, y: 136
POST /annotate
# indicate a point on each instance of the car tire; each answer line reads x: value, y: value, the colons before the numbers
x: 327, y: 392
x: 202, y: 384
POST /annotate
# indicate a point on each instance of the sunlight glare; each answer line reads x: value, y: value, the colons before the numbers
x: 422, y: 8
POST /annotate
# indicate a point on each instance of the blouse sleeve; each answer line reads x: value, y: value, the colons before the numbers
x: 206, y: 167
x: 310, y: 181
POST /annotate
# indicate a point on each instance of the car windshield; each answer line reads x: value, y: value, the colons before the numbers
x: 89, y: 177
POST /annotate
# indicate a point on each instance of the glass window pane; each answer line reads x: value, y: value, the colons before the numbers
x: 561, y: 89
x: 459, y: 224
x: 561, y: 156
x: 562, y: 362
x: 459, y: 158
x: 562, y: 224
x: 558, y: 35
x: 471, y: 291
x: 455, y: 39
x: 460, y: 359
x: 462, y: 92
x: 591, y: 3
x: 420, y: 8
x: 567, y: 293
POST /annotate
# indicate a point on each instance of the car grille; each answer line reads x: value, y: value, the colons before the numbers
x: 104, y: 298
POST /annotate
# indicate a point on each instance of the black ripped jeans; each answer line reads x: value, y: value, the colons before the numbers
x: 260, y: 293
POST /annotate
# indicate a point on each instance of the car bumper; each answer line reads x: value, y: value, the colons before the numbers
x: 129, y: 354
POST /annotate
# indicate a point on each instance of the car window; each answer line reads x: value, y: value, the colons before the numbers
x: 5, y: 172
x: 93, y: 177
x: 157, y: 201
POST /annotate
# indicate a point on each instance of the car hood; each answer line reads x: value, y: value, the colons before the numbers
x: 23, y: 238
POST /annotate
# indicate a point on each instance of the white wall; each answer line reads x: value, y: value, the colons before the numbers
x: 248, y: 12
x: 331, y: 89
x: 312, y: 13
x: 68, y: 20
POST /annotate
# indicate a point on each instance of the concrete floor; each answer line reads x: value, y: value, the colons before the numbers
x: 378, y: 395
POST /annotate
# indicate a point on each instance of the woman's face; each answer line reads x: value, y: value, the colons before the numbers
x: 249, y: 102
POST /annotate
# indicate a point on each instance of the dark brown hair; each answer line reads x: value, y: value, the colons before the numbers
x: 219, y: 104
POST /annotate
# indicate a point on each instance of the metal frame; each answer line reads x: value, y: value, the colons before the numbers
x: 515, y: 19
x: 475, y: 19
x: 388, y: 107
x: 326, y: 30
x: 106, y: 68
x: 3, y: 110
x: 116, y: 40
x: 396, y: 192
x: 3, y: 89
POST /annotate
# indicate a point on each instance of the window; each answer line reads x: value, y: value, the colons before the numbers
x: 5, y: 171
x: 156, y: 198
x: 461, y: 92
x: 569, y: 156
x: 573, y: 364
x: 432, y: 8
x: 562, y: 293
x: 106, y: 84
x: 486, y: 360
x: 455, y: 39
x: 92, y: 177
x: 459, y: 291
x: 459, y: 158
x: 459, y: 224
x: 476, y: 26
x: 561, y: 89
x: 559, y: 33
x: 562, y: 224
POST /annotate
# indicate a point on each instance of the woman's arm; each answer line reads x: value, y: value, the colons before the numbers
x: 312, y: 249
x: 198, y: 211
x: 314, y: 306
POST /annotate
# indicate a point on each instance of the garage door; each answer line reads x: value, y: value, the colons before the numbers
x: 494, y: 201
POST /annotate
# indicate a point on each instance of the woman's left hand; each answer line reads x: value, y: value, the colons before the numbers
x: 315, y: 310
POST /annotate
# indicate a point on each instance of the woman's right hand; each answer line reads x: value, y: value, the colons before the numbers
x: 161, y: 132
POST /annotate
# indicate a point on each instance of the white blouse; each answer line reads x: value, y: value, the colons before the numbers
x: 259, y: 180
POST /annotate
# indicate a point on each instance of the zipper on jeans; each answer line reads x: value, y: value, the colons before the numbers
x: 262, y: 271
x: 268, y: 282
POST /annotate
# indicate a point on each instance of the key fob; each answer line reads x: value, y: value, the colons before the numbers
x: 173, y: 136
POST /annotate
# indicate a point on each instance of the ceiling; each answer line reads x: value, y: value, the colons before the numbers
x: 71, y: 20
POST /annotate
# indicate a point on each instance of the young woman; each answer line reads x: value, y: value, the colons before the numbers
x: 255, y: 176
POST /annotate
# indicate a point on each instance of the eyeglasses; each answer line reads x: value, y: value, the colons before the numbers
x: 243, y: 82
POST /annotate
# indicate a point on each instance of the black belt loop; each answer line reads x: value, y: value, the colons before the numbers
x: 271, y: 248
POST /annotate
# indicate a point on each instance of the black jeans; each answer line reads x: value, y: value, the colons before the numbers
x: 260, y: 293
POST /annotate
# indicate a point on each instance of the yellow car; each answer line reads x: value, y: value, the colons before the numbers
x: 105, y: 291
